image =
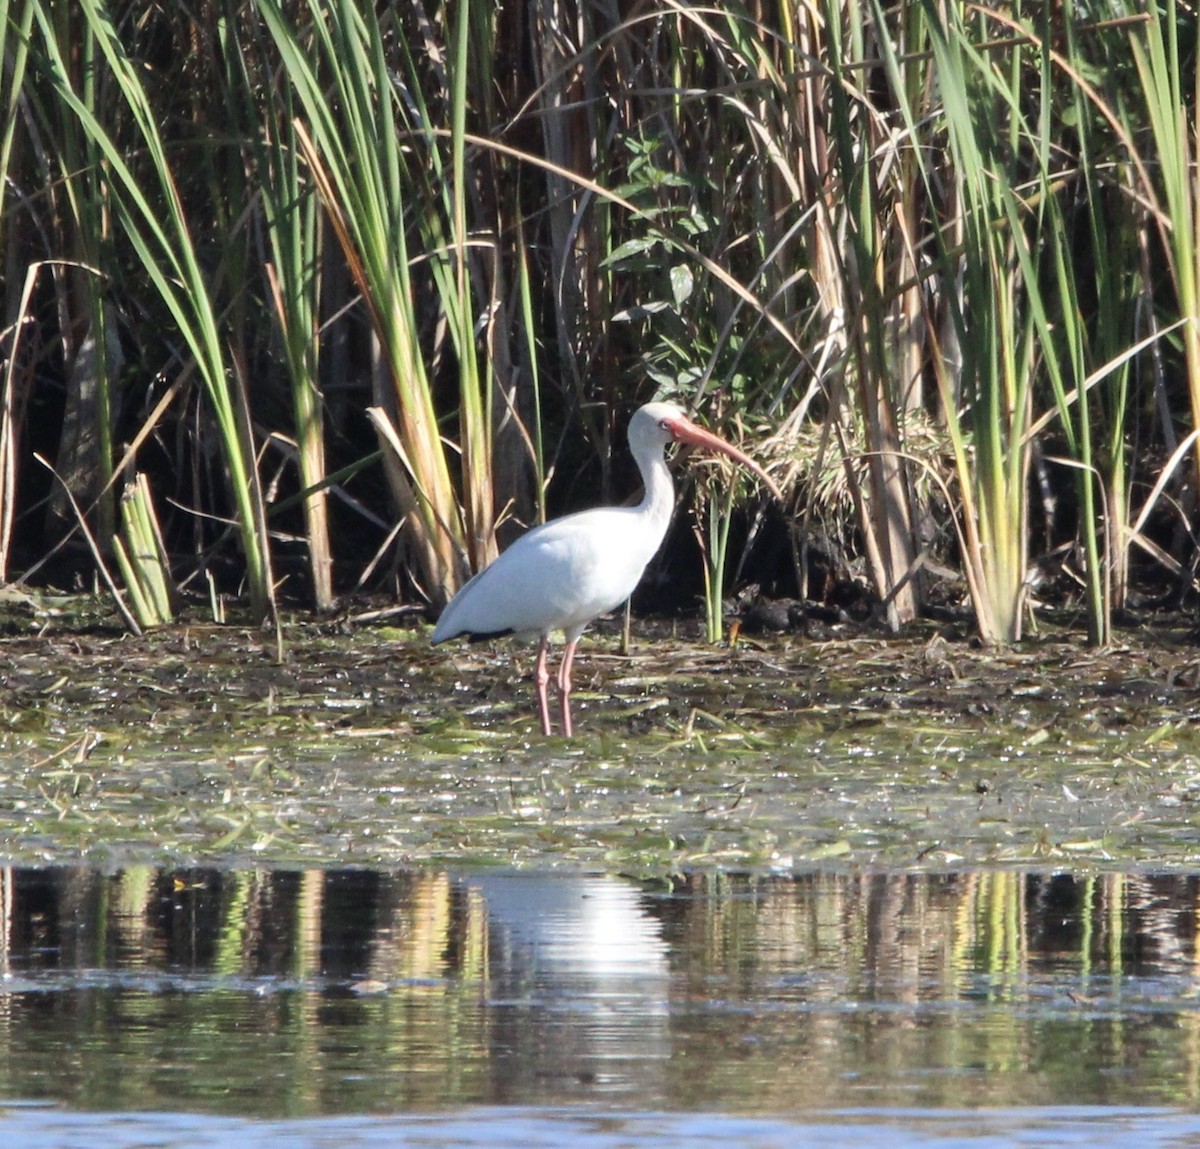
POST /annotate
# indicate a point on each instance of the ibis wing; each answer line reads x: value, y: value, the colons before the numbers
x: 557, y: 576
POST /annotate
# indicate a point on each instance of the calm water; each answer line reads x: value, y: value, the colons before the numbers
x: 155, y: 1008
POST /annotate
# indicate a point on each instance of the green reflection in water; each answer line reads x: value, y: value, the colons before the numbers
x: 287, y: 993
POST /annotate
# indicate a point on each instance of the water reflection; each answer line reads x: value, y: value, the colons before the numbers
x: 579, y: 966
x: 289, y: 992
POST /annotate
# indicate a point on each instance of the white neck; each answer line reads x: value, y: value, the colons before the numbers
x: 658, y: 502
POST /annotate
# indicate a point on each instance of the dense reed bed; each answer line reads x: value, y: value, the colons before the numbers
x: 302, y: 297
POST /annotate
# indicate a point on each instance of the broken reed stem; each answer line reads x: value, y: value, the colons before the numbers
x: 130, y: 621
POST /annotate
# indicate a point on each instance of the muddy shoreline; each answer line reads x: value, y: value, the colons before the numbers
x: 367, y: 746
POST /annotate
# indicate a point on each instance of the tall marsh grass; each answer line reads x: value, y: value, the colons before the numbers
x: 343, y: 266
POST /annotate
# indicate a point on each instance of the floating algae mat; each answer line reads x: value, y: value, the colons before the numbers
x: 367, y: 747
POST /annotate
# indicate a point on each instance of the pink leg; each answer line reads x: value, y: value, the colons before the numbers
x: 564, y: 684
x: 542, y: 677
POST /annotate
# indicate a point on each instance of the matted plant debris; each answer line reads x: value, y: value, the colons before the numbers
x: 366, y: 745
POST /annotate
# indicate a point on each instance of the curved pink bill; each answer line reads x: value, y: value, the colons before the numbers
x: 685, y: 431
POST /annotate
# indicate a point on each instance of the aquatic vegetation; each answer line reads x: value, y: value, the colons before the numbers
x: 365, y: 745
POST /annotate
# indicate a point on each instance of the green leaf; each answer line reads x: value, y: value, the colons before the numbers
x: 629, y: 249
x: 682, y: 283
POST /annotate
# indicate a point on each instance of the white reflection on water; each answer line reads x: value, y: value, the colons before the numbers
x: 584, y: 969
x: 588, y: 926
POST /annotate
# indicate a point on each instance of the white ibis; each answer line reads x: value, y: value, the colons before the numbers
x: 567, y: 572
